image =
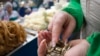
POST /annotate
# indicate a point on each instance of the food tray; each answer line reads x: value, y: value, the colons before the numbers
x: 29, y: 38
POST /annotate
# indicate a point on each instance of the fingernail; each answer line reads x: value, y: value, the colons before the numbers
x: 53, y: 44
x: 65, y: 42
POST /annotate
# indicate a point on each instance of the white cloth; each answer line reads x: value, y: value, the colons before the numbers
x: 91, y: 10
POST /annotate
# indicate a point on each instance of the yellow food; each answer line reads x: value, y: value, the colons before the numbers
x: 12, y: 35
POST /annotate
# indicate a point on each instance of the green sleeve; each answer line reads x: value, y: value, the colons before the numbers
x: 74, y: 9
x: 94, y: 41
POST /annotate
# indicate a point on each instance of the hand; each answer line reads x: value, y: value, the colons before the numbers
x: 62, y: 23
x: 79, y: 48
x: 73, y: 43
x: 44, y: 39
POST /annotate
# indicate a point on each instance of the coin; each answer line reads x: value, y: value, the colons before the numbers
x: 58, y: 50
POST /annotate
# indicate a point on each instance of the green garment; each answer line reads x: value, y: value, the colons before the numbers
x: 94, y: 41
x: 13, y: 18
x: 74, y: 9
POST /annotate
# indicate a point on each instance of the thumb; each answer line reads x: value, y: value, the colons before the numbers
x: 42, y: 48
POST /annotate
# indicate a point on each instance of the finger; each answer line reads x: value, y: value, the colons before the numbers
x: 48, y: 36
x: 57, y: 28
x: 40, y: 38
x: 42, y: 48
x: 51, y: 23
x: 69, y: 28
x: 50, y: 26
x: 55, y: 34
x: 44, y: 35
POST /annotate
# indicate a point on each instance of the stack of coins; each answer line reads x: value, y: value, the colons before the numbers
x: 58, y: 50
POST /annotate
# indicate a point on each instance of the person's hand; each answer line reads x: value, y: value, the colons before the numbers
x: 62, y: 23
x: 79, y: 48
x: 72, y: 43
x: 44, y: 39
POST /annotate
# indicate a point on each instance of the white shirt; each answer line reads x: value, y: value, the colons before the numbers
x: 13, y: 15
x: 1, y: 14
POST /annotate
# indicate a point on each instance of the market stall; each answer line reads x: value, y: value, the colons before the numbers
x: 33, y: 23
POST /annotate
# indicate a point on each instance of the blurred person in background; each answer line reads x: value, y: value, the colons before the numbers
x: 9, y: 13
x: 38, y: 3
x: 47, y: 3
x: 1, y: 12
x: 28, y: 7
x: 24, y: 9
x: 31, y: 4
x: 15, y: 4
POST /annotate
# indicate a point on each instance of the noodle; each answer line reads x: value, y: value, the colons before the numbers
x: 12, y: 35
